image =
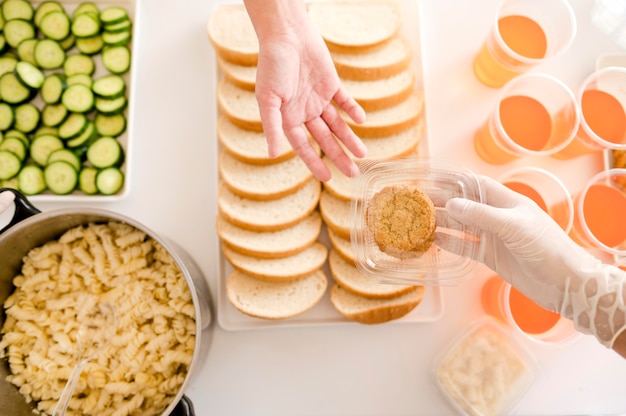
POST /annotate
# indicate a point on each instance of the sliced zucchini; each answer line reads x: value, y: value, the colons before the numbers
x: 90, y: 45
x: 79, y: 64
x: 13, y: 91
x: 27, y: 117
x: 42, y: 146
x: 18, y: 30
x: 110, y: 106
x: 85, y: 25
x: 17, y: 9
x: 7, y: 116
x: 87, y: 180
x: 61, y: 178
x: 66, y: 155
x: 16, y: 146
x: 26, y: 50
x: 46, y: 130
x: 29, y: 75
x: 44, y: 8
x: 116, y: 38
x: 109, y: 181
x: 30, y: 180
x: 113, y: 14
x: 105, y: 152
x: 10, y: 164
x: 68, y: 42
x: 112, y: 126
x: 78, y: 98
x: 82, y: 142
x: 122, y: 26
x: 73, y: 126
x: 55, y: 25
x: 17, y: 134
x: 53, y: 115
x: 116, y: 59
x: 109, y: 86
x: 49, y: 54
x: 86, y: 7
x: 82, y: 79
x: 52, y: 88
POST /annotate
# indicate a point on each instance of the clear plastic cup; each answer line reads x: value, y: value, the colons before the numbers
x: 506, y: 304
x: 546, y: 189
x: 535, y: 115
x: 524, y: 34
x: 599, y: 213
x: 602, y: 104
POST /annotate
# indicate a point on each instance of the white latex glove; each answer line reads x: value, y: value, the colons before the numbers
x: 6, y: 198
x: 529, y: 250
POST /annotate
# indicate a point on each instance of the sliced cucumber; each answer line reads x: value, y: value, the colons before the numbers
x: 18, y: 30
x: 30, y: 180
x: 13, y: 91
x: 44, y: 8
x: 17, y: 9
x: 113, y: 14
x: 116, y: 59
x: 82, y: 141
x: 10, y: 164
x: 52, y: 88
x: 86, y: 7
x: 53, y: 115
x: 82, y: 79
x: 116, y: 38
x: 78, y: 98
x: 90, y: 45
x: 49, y: 54
x: 42, y: 146
x: 68, y: 43
x: 109, y: 181
x: 85, y: 25
x: 26, y: 50
x: 110, y: 107
x: 60, y: 177
x: 112, y: 126
x: 55, y: 25
x: 7, y: 116
x: 109, y: 86
x: 29, y: 75
x: 66, y: 155
x: 27, y: 117
x: 87, y: 180
x: 105, y: 152
x: 79, y: 64
x: 16, y: 146
x: 7, y: 64
x: 73, y: 126
x: 121, y: 26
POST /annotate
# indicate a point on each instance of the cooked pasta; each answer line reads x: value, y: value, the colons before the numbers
x: 145, y: 363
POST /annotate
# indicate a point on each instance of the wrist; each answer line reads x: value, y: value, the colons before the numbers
x: 271, y: 17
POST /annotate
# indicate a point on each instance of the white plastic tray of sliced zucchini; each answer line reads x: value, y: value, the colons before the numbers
x: 66, y: 97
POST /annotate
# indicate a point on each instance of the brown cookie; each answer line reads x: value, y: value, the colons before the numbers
x: 402, y: 220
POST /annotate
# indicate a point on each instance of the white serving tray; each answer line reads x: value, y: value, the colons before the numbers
x: 132, y: 6
x: 324, y: 313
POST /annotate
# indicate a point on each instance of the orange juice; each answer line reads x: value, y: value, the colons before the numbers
x: 524, y: 120
x: 603, y: 209
x: 604, y: 115
x: 493, y: 66
x: 491, y: 295
x: 530, y: 317
x: 529, y: 191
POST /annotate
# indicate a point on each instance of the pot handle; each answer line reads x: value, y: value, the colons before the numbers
x: 183, y: 408
x: 23, y: 208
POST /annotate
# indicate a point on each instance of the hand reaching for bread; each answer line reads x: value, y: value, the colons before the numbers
x: 298, y: 87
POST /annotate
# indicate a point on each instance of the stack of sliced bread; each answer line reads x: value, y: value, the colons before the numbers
x: 271, y: 212
x: 268, y: 219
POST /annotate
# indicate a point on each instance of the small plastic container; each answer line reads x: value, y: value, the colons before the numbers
x: 451, y: 255
x: 484, y: 371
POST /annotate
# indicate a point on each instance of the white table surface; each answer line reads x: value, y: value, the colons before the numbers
x: 351, y: 369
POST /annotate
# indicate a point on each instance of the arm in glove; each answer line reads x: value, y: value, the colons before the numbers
x: 529, y: 250
x: 296, y: 86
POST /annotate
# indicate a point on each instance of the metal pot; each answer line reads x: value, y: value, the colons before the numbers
x: 30, y: 228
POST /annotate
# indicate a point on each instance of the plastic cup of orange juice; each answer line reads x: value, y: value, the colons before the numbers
x: 546, y: 190
x: 503, y: 302
x: 535, y: 115
x: 524, y: 34
x: 599, y: 213
x: 602, y: 104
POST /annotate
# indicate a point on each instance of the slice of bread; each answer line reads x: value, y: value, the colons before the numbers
x: 239, y: 105
x: 239, y: 46
x: 274, y: 300
x: 374, y: 311
x: 382, y: 93
x: 263, y: 182
x: 356, y: 24
x: 282, y: 269
x: 401, y: 144
x: 247, y: 145
x: 268, y: 215
x: 350, y: 278
x: 391, y: 120
x: 241, y: 75
x: 381, y: 62
x: 339, y: 185
x: 342, y: 246
x: 270, y: 244
x: 336, y: 214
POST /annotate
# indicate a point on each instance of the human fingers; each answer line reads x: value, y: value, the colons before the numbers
x: 488, y: 218
x: 330, y: 146
x: 304, y: 149
x: 499, y: 195
x: 6, y: 198
x: 343, y: 132
x: 349, y: 105
x: 272, y: 121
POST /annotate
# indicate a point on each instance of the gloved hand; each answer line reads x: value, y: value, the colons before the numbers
x: 5, y: 200
x: 529, y: 250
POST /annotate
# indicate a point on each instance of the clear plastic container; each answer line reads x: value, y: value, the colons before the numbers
x: 441, y: 264
x: 484, y: 371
